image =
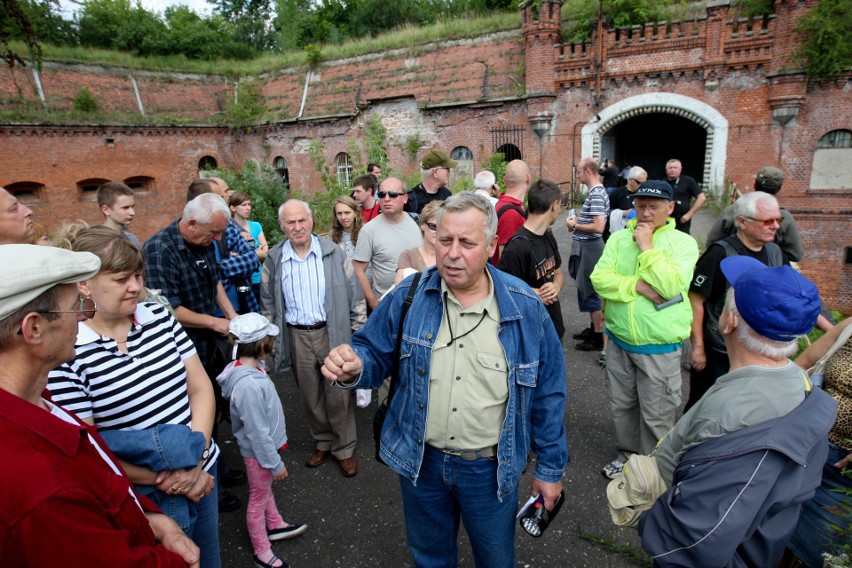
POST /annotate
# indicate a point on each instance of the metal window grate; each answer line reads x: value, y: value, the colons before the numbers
x: 508, y: 137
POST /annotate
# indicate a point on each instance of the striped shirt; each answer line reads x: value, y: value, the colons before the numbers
x: 303, y: 285
x: 596, y: 204
x: 133, y: 391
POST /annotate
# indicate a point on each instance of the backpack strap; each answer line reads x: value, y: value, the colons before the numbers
x: 513, y: 207
x: 409, y: 299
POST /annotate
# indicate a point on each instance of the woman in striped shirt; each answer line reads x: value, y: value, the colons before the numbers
x: 134, y: 369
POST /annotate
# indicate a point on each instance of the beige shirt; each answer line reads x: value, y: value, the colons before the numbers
x: 468, y: 387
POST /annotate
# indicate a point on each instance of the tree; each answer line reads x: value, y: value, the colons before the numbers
x: 16, y: 24
x: 251, y: 20
x: 101, y: 21
x: 826, y: 32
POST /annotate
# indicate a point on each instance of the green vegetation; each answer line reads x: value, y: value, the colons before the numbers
x: 85, y: 101
x: 826, y: 33
x: 249, y: 107
x: 267, y: 191
x: 633, y: 553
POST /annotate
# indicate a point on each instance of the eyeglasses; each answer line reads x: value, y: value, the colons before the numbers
x: 432, y: 226
x: 85, y: 306
x: 767, y: 222
x: 391, y: 194
x: 651, y: 208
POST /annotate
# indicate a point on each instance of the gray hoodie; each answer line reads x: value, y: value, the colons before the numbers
x: 257, y: 418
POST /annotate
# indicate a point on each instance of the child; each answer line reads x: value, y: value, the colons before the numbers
x: 257, y: 421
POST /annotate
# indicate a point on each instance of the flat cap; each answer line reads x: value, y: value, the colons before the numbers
x: 27, y: 271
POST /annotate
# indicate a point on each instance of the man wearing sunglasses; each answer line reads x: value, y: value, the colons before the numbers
x: 758, y: 218
x: 768, y: 180
x: 382, y: 240
x: 434, y: 178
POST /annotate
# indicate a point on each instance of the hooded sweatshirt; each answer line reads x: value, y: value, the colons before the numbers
x: 257, y: 418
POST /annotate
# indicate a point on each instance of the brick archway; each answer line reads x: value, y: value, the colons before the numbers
x: 694, y: 110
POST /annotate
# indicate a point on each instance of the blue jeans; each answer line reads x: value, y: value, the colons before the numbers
x: 448, y: 488
x: 205, y: 534
x: 813, y: 536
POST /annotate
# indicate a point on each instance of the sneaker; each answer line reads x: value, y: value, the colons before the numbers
x: 602, y: 358
x: 583, y: 335
x: 289, y: 531
x: 228, y: 502
x: 613, y: 469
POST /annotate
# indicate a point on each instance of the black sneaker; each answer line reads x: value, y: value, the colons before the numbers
x: 233, y: 478
x: 591, y: 344
x: 583, y: 335
x: 228, y: 502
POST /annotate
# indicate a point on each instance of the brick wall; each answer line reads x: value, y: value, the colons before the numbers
x: 457, y: 93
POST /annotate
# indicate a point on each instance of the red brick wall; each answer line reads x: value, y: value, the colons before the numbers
x: 455, y: 94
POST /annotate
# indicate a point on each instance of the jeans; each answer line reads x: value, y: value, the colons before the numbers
x: 813, y: 536
x: 206, y: 531
x: 448, y: 488
x: 261, y: 512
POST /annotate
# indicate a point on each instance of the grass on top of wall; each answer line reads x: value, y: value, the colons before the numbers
x: 406, y: 37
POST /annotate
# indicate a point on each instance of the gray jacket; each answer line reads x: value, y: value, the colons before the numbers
x: 346, y: 310
x: 257, y: 418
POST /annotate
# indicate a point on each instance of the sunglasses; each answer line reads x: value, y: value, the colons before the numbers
x: 767, y: 222
x: 391, y: 194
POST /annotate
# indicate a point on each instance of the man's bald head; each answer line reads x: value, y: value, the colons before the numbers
x: 517, y: 178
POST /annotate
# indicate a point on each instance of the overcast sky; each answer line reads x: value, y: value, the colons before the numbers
x: 198, y: 6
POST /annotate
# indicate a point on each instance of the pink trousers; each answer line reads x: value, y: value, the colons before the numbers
x: 261, y: 512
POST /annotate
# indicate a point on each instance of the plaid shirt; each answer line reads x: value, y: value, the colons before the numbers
x: 241, y: 266
x: 186, y: 275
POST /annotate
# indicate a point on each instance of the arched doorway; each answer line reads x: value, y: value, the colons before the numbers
x: 510, y: 151
x: 650, y: 140
x: 672, y: 112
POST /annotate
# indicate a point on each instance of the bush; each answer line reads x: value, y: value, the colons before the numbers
x: 85, y: 101
x: 267, y: 190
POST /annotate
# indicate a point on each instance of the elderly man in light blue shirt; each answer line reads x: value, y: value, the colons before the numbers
x: 309, y: 289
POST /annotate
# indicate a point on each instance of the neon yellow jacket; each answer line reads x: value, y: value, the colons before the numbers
x: 667, y: 268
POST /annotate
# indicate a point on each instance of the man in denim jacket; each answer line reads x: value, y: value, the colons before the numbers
x: 481, y: 348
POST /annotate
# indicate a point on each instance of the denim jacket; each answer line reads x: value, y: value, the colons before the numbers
x: 165, y: 447
x: 536, y: 405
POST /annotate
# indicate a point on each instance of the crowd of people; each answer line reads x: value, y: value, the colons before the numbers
x: 120, y: 361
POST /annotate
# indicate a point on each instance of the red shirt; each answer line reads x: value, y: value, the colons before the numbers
x: 507, y: 224
x: 368, y: 215
x: 61, y: 504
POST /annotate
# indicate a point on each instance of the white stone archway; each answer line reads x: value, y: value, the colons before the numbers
x: 716, y: 125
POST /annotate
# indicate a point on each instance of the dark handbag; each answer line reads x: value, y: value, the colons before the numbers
x: 382, y: 410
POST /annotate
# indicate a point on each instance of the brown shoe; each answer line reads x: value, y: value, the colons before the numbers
x: 317, y: 458
x: 348, y: 467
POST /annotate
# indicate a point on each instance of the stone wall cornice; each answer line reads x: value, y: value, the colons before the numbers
x: 102, y: 130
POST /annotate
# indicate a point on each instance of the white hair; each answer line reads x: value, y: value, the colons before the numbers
x: 289, y: 201
x: 484, y: 180
x: 204, y: 207
x: 755, y: 342
x: 746, y: 206
x: 635, y: 172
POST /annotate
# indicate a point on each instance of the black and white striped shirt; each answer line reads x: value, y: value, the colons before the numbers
x: 129, y: 391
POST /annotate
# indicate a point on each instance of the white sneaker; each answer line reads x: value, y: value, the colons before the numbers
x: 613, y: 469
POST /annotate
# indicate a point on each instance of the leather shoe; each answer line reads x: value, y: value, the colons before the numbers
x: 228, y: 502
x: 348, y: 467
x: 317, y: 458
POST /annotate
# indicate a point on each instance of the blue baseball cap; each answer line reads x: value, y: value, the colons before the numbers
x: 655, y: 188
x: 777, y: 302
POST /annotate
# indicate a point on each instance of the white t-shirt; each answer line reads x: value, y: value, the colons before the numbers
x: 380, y: 243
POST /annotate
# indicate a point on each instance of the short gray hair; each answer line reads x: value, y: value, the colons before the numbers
x: 204, y: 207
x: 289, y: 201
x: 755, y: 342
x: 635, y: 172
x: 468, y: 199
x: 484, y: 180
x: 746, y: 206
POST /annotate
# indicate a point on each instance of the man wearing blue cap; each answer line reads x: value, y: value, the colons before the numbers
x: 743, y: 459
x: 643, y: 275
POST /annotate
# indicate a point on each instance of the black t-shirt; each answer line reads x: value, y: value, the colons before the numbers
x: 685, y: 189
x: 620, y: 199
x: 609, y: 176
x: 418, y: 198
x: 534, y: 259
x: 708, y: 279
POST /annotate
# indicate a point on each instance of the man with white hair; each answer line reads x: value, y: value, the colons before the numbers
x: 486, y: 184
x: 742, y: 461
x: 758, y: 218
x: 308, y: 288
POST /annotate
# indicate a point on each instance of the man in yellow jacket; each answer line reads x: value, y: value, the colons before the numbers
x: 643, y: 277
